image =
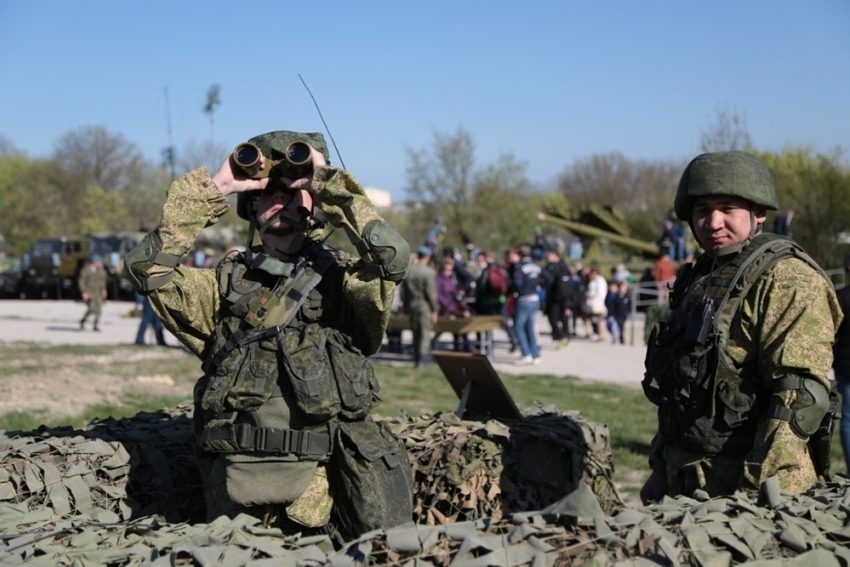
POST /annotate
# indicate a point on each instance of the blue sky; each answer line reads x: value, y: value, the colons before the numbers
x: 550, y: 82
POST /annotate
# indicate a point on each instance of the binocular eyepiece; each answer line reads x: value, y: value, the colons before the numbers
x: 297, y: 161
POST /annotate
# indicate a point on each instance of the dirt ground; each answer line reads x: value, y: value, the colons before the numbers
x: 59, y: 381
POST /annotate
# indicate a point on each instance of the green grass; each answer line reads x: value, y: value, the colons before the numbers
x: 129, y: 406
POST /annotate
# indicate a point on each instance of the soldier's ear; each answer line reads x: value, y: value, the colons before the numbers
x: 760, y: 213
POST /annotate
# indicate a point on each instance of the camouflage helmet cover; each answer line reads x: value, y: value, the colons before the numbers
x: 273, y: 145
x: 735, y: 174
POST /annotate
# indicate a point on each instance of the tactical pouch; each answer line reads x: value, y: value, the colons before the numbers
x: 371, y: 480
x: 355, y: 379
x: 306, y: 357
x: 261, y: 480
x: 742, y: 400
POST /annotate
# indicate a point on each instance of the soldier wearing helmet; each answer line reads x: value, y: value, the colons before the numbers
x: 283, y: 424
x: 92, y: 285
x: 739, y: 369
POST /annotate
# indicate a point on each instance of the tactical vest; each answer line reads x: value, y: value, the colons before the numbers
x: 706, y: 403
x: 281, y: 367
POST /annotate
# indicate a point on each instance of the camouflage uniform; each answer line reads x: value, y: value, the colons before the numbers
x: 738, y: 404
x: 92, y: 281
x: 784, y: 326
x: 196, y: 306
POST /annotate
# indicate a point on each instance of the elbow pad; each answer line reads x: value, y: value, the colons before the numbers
x: 387, y: 250
x: 141, y: 258
x: 808, y: 410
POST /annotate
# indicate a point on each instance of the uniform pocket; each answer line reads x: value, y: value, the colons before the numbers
x: 355, y: 379
x: 306, y: 357
x: 738, y: 397
x: 371, y: 478
x: 255, y: 481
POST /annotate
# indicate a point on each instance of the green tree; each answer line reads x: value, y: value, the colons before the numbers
x: 816, y: 187
x: 33, y: 205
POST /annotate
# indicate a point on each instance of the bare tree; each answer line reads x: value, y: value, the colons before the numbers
x: 195, y: 154
x: 728, y: 133
x: 642, y: 190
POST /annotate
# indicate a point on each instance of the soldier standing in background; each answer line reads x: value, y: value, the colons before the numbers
x: 739, y: 369
x: 419, y: 293
x: 92, y: 284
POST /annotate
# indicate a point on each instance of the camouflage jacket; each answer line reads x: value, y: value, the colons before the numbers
x: 189, y: 304
x: 784, y: 326
x: 420, y: 289
x: 92, y: 282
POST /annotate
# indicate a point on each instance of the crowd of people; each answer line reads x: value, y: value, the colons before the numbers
x: 530, y: 281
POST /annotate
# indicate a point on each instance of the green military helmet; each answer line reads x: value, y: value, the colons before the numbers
x: 735, y: 174
x: 273, y: 145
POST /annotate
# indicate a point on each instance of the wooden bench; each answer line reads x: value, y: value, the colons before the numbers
x: 483, y: 324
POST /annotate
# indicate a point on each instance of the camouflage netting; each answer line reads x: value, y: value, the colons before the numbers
x: 78, y: 498
x: 471, y: 469
x: 809, y: 530
x: 464, y: 470
x: 114, y: 469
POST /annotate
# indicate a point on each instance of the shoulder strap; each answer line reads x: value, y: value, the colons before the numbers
x: 281, y: 303
x: 754, y: 261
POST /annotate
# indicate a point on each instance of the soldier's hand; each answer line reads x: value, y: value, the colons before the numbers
x: 230, y: 179
x: 305, y: 183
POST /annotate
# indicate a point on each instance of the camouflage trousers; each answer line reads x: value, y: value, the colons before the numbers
x: 94, y: 307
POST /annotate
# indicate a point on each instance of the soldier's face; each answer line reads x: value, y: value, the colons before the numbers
x: 723, y: 221
x: 289, y: 199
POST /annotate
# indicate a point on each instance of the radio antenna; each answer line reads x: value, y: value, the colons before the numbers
x: 331, y: 136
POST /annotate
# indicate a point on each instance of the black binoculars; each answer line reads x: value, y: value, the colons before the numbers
x: 297, y: 161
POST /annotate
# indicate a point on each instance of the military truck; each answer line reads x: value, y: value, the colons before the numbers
x: 52, y: 266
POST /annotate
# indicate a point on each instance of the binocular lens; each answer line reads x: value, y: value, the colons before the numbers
x: 246, y: 155
x: 298, y: 153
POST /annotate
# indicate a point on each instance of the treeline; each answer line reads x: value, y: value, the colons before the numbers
x: 496, y: 205
x: 97, y: 181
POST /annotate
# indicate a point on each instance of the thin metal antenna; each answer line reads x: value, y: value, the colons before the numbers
x: 331, y: 136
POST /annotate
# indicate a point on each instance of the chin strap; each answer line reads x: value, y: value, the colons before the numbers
x: 755, y: 228
x: 311, y: 220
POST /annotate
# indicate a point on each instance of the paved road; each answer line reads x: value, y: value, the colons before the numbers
x: 57, y: 322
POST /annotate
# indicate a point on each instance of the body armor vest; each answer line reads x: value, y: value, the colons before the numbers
x: 281, y: 367
x: 707, y: 403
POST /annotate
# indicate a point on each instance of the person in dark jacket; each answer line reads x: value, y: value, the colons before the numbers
x: 622, y: 308
x: 841, y: 362
x: 561, y: 295
x: 527, y: 277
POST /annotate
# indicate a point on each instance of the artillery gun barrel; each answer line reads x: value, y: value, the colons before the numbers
x: 579, y: 228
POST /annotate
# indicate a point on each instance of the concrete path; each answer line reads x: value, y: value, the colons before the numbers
x: 57, y: 322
